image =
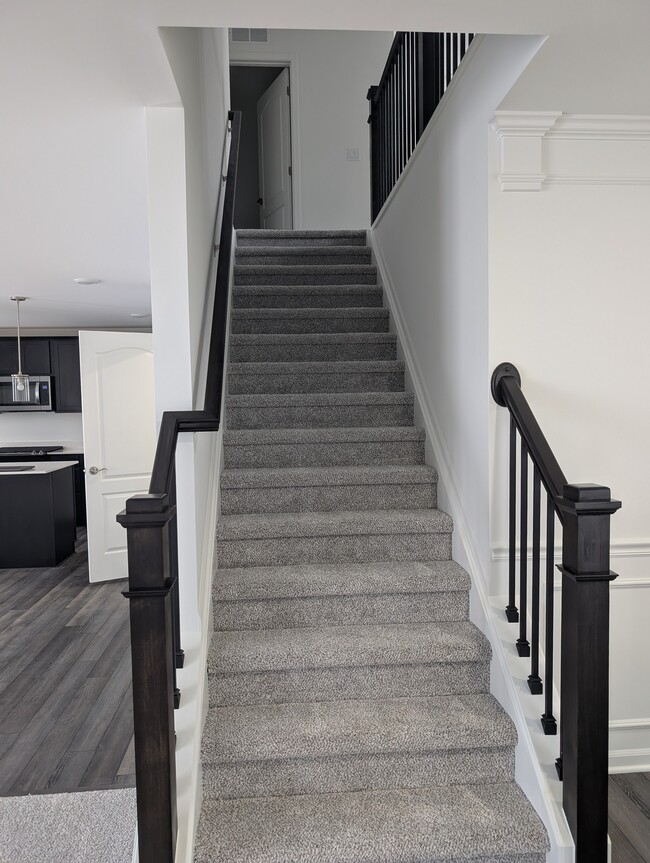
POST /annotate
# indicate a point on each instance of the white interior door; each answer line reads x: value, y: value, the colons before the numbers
x: 119, y: 428
x: 274, y: 154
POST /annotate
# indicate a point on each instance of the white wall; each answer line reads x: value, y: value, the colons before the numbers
x: 184, y: 150
x: 569, y: 305
x: 45, y: 428
x: 331, y: 73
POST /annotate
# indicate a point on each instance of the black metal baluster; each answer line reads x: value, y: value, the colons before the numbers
x: 177, y: 651
x: 448, y: 69
x: 400, y: 108
x: 534, y: 680
x: 512, y: 614
x: 549, y: 723
x: 384, y: 147
x: 523, y: 647
x: 456, y: 52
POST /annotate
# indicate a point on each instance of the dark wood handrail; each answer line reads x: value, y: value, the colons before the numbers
x: 150, y: 520
x: 506, y: 391
x: 584, y: 511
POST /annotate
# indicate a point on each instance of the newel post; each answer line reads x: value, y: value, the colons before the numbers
x: 584, y: 710
x: 147, y: 520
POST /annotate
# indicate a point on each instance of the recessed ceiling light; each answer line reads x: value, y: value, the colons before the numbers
x: 136, y: 315
x: 85, y: 280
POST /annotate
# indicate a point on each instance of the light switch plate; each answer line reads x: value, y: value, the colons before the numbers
x: 353, y: 154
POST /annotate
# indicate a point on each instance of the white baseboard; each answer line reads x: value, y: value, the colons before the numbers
x: 629, y: 745
x: 536, y: 779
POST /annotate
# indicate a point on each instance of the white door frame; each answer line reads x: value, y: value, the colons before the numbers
x: 248, y: 57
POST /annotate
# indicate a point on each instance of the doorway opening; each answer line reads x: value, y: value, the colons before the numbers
x: 264, y: 181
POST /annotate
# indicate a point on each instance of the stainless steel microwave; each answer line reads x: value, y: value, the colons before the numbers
x: 40, y: 395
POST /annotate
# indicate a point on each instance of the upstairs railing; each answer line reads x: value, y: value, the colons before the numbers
x: 418, y: 70
x: 582, y: 512
x: 150, y: 521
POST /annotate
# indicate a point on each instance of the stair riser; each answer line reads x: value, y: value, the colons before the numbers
x: 301, y: 242
x: 249, y: 298
x: 319, y: 352
x: 240, y: 324
x: 356, y: 773
x: 338, y: 257
x: 319, y: 416
x: 324, y: 454
x: 354, y: 382
x: 301, y: 276
x: 341, y: 684
x: 291, y: 613
x: 333, y: 549
x: 328, y: 498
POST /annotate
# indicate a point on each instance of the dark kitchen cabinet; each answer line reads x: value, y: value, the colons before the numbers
x: 64, y: 356
x: 78, y: 472
x: 35, y: 355
x: 58, y: 357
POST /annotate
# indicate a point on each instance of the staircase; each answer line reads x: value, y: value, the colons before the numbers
x: 350, y: 718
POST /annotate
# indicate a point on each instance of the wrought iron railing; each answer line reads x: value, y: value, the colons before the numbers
x: 582, y: 513
x: 418, y: 70
x: 150, y: 521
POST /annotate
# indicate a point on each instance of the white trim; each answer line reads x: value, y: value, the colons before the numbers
x: 533, y: 140
x: 437, y: 114
x: 252, y: 57
x: 136, y: 856
x: 628, y: 548
x: 544, y: 793
x: 633, y: 758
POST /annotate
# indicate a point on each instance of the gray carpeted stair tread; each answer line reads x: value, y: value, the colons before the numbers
x: 331, y: 320
x: 318, y: 580
x: 319, y: 410
x: 312, y: 347
x: 398, y: 644
x: 339, y: 595
x: 328, y: 367
x: 322, y: 524
x: 323, y: 489
x: 305, y: 255
x: 255, y: 237
x: 306, y: 296
x: 325, y: 476
x: 326, y: 729
x: 306, y: 274
x: 300, y: 377
x: 483, y: 823
x: 320, y: 447
x: 256, y: 437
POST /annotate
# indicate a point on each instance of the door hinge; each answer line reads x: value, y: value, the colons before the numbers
x: 288, y: 91
x: 290, y: 174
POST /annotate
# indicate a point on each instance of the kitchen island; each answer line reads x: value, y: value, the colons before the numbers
x: 37, y: 513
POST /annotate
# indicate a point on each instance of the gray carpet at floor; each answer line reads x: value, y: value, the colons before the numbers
x: 97, y: 826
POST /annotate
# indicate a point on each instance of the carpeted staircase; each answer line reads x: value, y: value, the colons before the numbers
x: 350, y: 717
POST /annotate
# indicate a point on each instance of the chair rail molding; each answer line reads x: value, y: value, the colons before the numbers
x: 544, y: 148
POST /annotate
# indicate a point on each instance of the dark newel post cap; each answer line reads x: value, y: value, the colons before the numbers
x: 503, y: 370
x: 588, y: 498
x: 371, y: 92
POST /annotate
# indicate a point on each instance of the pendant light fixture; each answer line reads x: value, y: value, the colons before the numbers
x: 19, y: 381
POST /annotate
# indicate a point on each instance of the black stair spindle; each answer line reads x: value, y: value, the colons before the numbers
x: 534, y: 680
x: 549, y: 723
x: 512, y: 613
x: 523, y: 647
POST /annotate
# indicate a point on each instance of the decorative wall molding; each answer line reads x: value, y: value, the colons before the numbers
x: 542, y: 148
x: 629, y: 745
x: 627, y: 549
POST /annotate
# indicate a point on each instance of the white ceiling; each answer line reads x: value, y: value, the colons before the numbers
x: 75, y: 76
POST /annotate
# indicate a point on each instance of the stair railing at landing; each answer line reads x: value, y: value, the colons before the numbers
x: 583, y: 513
x: 150, y: 521
x: 418, y: 70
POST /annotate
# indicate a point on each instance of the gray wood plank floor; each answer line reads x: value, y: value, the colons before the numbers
x: 629, y: 817
x: 66, y: 717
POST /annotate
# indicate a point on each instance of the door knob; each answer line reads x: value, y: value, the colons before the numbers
x: 95, y: 470
x: 260, y: 201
